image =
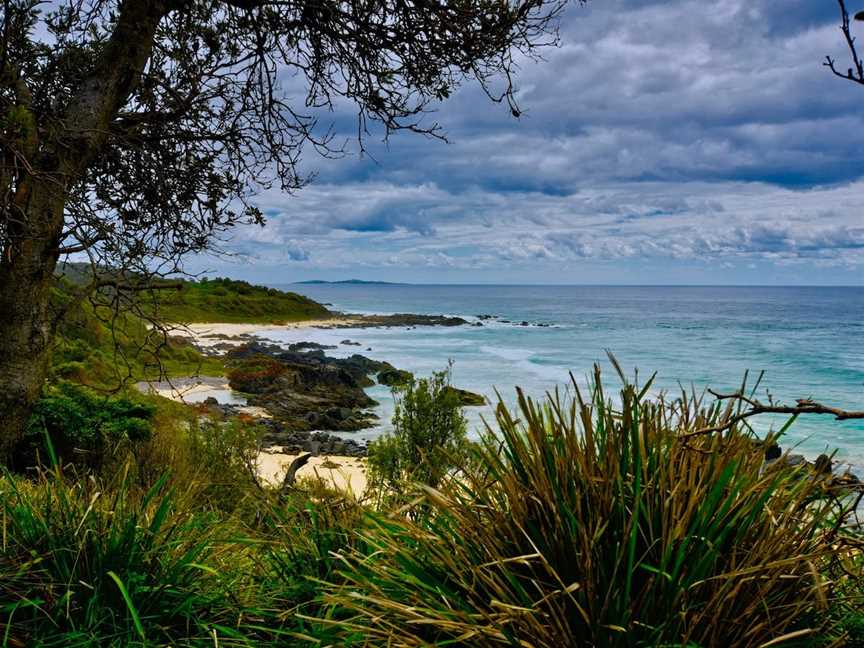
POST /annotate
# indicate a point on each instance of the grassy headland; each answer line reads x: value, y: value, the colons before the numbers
x: 236, y: 302
x: 101, y: 348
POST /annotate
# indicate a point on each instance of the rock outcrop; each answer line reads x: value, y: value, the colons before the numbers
x: 305, y: 390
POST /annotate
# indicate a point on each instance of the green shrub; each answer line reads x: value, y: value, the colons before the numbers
x: 88, y: 564
x: 599, y: 522
x: 428, y: 439
x: 226, y: 456
x: 83, y: 427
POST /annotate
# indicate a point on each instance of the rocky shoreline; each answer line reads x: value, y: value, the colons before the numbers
x: 298, y: 394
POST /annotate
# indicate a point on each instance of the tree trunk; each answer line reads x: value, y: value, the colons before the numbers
x: 26, y: 326
x: 34, y: 224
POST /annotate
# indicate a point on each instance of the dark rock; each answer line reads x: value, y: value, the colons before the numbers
x: 350, y: 343
x: 524, y: 323
x: 773, y: 452
x: 392, y: 377
x: 406, y: 320
x: 211, y: 401
x: 306, y: 346
x: 794, y: 460
x: 306, y: 390
x: 467, y: 398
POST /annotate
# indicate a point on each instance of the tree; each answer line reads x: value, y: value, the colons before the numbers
x: 855, y: 73
x: 428, y: 440
x: 137, y: 131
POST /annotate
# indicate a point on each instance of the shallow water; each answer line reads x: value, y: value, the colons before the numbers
x: 809, y: 341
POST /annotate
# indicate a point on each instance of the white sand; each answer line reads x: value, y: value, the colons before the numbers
x: 180, y: 389
x: 211, y: 334
x: 343, y: 473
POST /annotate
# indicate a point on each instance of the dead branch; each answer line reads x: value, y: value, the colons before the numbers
x: 756, y: 407
x: 291, y: 474
x: 855, y: 75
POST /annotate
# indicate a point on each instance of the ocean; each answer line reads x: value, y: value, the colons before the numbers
x: 809, y: 341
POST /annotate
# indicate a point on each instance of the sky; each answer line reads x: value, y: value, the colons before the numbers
x: 664, y: 142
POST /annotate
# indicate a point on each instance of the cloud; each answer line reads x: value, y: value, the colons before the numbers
x: 670, y: 130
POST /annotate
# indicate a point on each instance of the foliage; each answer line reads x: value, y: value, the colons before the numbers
x: 846, y: 609
x: 81, y: 426
x: 226, y: 454
x: 91, y: 564
x: 592, y: 522
x: 598, y: 522
x: 227, y: 300
x: 428, y: 438
x: 115, y: 562
x: 98, y: 347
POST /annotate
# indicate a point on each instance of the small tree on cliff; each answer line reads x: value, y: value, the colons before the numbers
x: 135, y: 131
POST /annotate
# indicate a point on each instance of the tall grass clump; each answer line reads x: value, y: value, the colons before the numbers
x: 89, y: 563
x: 598, y: 521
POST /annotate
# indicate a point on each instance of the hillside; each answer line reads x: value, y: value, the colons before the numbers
x: 227, y: 300
x: 92, y: 350
x: 89, y: 352
x: 350, y: 282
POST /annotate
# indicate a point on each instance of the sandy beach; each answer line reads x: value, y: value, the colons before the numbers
x: 344, y: 473
x: 210, y: 334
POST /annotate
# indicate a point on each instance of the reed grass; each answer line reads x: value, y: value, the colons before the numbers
x: 593, y: 521
x: 581, y: 520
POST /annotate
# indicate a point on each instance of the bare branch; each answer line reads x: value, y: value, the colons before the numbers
x: 756, y: 407
x: 856, y: 73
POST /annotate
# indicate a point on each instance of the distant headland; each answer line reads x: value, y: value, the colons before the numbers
x: 350, y: 281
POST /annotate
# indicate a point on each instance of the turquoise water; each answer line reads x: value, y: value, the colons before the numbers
x: 809, y: 341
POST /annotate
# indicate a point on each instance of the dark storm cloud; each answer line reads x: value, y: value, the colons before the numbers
x: 673, y: 129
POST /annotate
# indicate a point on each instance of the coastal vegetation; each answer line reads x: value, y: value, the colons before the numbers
x: 105, y: 349
x: 607, y: 519
x: 428, y: 441
x: 227, y: 300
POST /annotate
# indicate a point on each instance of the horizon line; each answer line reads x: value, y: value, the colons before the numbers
x: 562, y: 285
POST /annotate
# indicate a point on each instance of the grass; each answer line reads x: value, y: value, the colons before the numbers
x: 87, y: 560
x: 227, y: 300
x: 586, y: 521
x: 103, y: 349
x: 593, y: 522
x: 96, y: 348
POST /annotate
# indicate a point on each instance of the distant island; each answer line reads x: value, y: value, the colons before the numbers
x: 350, y: 281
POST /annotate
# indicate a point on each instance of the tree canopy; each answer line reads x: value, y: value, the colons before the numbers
x: 134, y: 132
x: 157, y: 120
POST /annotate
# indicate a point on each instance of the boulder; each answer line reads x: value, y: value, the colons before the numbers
x: 392, y: 377
x: 467, y: 398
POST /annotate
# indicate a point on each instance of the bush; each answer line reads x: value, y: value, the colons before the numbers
x: 83, y: 427
x: 88, y: 563
x: 588, y: 523
x: 428, y: 439
x: 226, y: 456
